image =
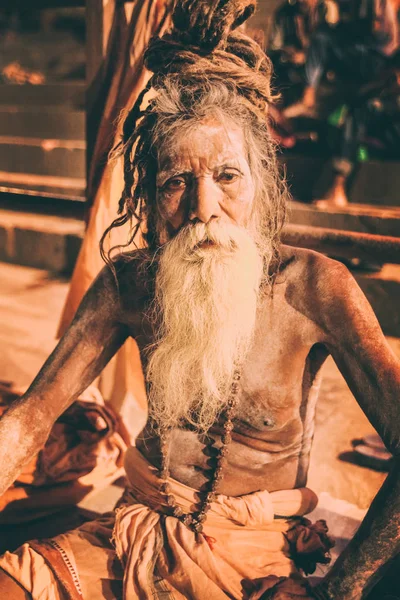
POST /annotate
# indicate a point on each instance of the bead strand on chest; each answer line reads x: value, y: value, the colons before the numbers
x: 195, y: 520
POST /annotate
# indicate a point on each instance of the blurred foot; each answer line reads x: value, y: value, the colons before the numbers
x: 373, y: 441
x: 369, y: 451
x: 300, y: 109
x: 304, y: 108
x: 336, y: 196
x: 371, y: 458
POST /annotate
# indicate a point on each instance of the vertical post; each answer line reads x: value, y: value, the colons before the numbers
x: 94, y: 39
x: 99, y: 18
x: 94, y: 60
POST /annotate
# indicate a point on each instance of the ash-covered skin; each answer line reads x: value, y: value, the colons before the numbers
x: 316, y: 308
x: 210, y: 163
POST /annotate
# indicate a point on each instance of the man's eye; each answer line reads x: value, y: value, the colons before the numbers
x: 174, y: 185
x: 228, y: 177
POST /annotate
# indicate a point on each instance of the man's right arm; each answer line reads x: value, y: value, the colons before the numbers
x: 94, y: 336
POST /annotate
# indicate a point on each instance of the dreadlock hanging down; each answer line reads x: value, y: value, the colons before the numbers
x: 202, y: 65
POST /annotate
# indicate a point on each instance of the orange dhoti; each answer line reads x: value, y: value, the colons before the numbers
x: 139, y: 552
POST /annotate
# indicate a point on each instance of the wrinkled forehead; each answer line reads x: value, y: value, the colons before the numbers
x: 211, y: 142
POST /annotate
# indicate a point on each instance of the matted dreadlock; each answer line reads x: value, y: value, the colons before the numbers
x: 200, y: 66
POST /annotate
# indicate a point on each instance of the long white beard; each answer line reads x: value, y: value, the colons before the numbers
x: 205, y: 309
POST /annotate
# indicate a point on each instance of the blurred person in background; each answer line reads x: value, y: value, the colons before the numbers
x: 293, y: 25
x: 358, y: 54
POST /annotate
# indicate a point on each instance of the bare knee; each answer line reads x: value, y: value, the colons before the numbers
x: 10, y: 589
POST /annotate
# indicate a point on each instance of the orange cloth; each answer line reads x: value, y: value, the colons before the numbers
x: 84, y: 453
x: 106, y: 181
x: 121, y: 382
x: 158, y: 556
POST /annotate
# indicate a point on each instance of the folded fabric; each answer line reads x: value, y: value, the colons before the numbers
x: 84, y: 452
x: 250, y: 544
x: 140, y: 552
x: 244, y: 538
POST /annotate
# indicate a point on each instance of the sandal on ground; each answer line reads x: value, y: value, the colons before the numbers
x: 373, y: 441
x: 369, y: 451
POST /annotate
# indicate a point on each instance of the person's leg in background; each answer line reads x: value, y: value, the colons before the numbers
x: 345, y: 159
x: 320, y: 55
x: 365, y: 70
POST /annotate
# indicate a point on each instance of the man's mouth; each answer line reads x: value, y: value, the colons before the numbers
x: 205, y: 244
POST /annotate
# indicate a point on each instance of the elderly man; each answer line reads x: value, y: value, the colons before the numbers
x: 233, y: 329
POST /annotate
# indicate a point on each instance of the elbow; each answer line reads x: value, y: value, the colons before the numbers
x: 21, y: 438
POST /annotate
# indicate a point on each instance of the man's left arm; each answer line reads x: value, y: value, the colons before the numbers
x: 359, y: 348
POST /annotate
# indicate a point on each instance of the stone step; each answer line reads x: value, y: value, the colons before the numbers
x: 45, y: 123
x: 45, y: 186
x: 50, y: 157
x: 362, y: 218
x: 383, y: 292
x: 373, y: 182
x: 383, y: 288
x: 42, y: 135
x: 66, y: 95
x: 44, y: 241
x: 43, y: 139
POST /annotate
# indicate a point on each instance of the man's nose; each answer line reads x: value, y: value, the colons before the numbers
x: 205, y: 201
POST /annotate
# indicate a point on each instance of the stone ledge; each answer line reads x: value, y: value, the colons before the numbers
x: 373, y: 182
x: 41, y: 241
x: 383, y: 292
x: 363, y: 218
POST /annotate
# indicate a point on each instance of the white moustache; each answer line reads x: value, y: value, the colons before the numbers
x: 197, y: 240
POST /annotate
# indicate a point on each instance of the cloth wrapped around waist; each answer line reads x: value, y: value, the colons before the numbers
x: 160, y: 555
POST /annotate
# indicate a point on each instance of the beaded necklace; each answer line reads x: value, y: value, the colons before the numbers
x: 195, y: 520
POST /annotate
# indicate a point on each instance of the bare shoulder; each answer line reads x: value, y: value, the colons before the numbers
x: 134, y: 270
x: 133, y: 276
x: 323, y: 289
x: 305, y: 267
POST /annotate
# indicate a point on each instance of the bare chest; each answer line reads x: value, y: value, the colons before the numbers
x: 269, y: 422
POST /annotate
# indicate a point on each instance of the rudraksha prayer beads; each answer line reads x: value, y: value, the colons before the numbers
x: 195, y: 520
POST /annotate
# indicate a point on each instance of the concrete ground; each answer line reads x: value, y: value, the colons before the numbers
x: 30, y: 304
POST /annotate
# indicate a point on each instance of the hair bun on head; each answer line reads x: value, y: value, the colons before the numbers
x: 202, y: 42
x: 206, y: 24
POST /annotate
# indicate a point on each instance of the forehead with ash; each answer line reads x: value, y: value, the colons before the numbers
x: 219, y: 144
